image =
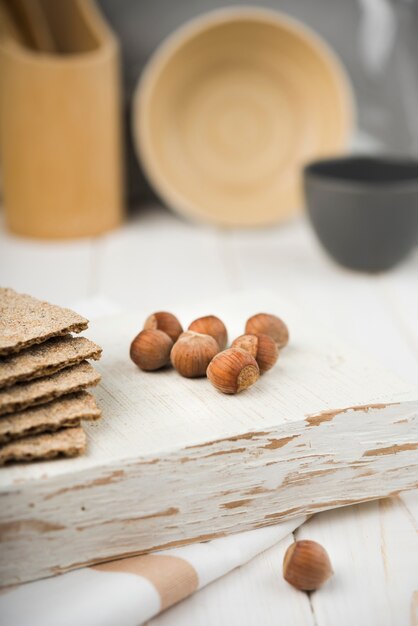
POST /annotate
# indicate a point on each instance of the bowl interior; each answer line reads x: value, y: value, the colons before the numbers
x: 374, y: 170
x: 229, y: 111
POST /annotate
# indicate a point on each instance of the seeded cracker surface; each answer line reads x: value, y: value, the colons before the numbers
x: 61, y: 413
x: 46, y: 358
x: 66, y: 442
x: 25, y: 321
x: 42, y: 390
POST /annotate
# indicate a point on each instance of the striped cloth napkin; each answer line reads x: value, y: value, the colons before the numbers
x: 128, y: 592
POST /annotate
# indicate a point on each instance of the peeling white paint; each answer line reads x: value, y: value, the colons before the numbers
x: 174, y: 461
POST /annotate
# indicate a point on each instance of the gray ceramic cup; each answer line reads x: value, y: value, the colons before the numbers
x: 364, y: 210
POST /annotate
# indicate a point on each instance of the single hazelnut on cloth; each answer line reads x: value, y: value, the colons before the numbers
x: 233, y: 370
x: 306, y: 565
x: 267, y: 324
x: 262, y: 347
x: 213, y: 326
x: 167, y: 322
x: 150, y: 350
x: 192, y: 353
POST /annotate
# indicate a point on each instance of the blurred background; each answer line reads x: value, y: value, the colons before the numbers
x: 213, y: 111
x: 377, y: 41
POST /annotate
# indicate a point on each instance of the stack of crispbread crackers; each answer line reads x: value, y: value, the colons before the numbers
x: 43, y: 376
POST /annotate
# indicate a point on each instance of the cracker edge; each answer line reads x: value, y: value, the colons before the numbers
x: 93, y: 414
x: 68, y: 442
x: 73, y: 328
x: 50, y: 370
x: 14, y: 407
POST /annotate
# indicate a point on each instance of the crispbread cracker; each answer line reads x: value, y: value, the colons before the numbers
x: 43, y: 390
x: 46, y: 358
x: 25, y: 321
x: 61, y: 413
x: 66, y: 442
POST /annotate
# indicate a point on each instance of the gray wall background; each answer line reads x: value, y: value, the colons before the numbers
x: 376, y: 40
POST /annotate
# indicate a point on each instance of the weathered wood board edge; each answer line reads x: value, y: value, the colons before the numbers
x: 200, y: 492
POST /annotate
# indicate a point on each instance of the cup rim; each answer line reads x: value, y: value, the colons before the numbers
x: 313, y: 173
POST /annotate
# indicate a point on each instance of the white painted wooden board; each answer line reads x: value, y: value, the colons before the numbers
x: 373, y: 548
x: 137, y: 265
x: 374, y: 551
x: 181, y: 462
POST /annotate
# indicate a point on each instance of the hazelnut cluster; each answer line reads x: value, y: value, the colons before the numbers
x: 202, y: 349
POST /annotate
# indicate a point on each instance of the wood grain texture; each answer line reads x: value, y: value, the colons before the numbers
x: 374, y: 551
x: 323, y: 429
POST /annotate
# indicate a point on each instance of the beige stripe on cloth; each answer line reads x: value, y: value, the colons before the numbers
x: 173, y: 577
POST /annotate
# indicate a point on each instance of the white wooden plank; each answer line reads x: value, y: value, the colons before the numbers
x: 374, y: 551
x: 409, y: 502
x: 162, y: 437
x: 286, y: 259
x: 60, y: 271
x: 253, y: 595
x: 400, y: 290
x: 316, y: 372
x: 158, y: 260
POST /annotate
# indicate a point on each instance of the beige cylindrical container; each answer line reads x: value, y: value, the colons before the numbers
x: 60, y: 128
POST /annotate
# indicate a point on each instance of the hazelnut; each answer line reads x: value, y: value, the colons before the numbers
x: 150, y: 350
x: 266, y: 324
x: 233, y: 370
x: 167, y: 322
x: 262, y: 347
x: 213, y: 326
x: 192, y: 353
x: 306, y: 565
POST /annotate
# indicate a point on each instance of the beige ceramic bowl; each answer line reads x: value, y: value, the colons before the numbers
x: 228, y: 110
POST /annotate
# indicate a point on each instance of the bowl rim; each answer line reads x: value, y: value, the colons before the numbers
x: 334, y: 182
x: 181, y: 35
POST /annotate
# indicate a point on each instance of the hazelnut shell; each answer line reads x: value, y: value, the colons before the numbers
x: 167, y: 322
x: 213, y: 326
x: 150, y: 350
x: 192, y: 353
x: 262, y: 347
x: 306, y: 565
x: 233, y: 370
x: 267, y: 324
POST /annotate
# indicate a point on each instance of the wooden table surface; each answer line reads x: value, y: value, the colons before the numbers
x: 157, y: 261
